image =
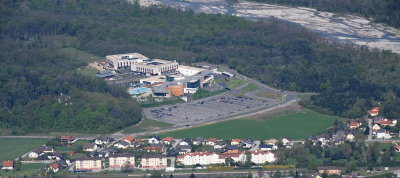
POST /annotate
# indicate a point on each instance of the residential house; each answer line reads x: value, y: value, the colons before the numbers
x: 387, y: 122
x: 350, y: 137
x: 102, y: 140
x: 199, y: 141
x: 155, y: 139
x: 55, y: 167
x: 121, y: 144
x: 330, y: 170
x: 154, y: 161
x: 324, y: 139
x: 211, y: 141
x: 167, y: 140
x: 55, y: 156
x: 63, y: 163
x: 67, y: 139
x: 129, y: 139
x: 271, y: 142
x: 41, y: 150
x: 383, y: 134
x: 89, y: 147
x: 220, y: 144
x: 9, y: 165
x: 199, y: 158
x: 154, y: 148
x: 354, y: 125
x: 374, y: 111
x: 182, y: 149
x: 106, y: 152
x: 286, y: 142
x: 235, y: 142
x: 375, y: 128
x: 338, y: 137
x: 88, y: 164
x: 247, y: 143
x: 264, y: 147
x: 117, y: 161
x: 231, y: 149
x: 397, y: 148
x: 185, y: 141
x: 262, y: 157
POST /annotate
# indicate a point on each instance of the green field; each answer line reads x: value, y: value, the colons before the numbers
x: 234, y: 83
x: 12, y: 148
x: 249, y: 88
x: 201, y: 93
x: 168, y: 101
x: 298, y: 125
x: 26, y: 169
x: 146, y: 125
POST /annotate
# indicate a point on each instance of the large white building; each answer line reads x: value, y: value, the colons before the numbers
x: 88, y: 164
x: 118, y: 161
x: 202, y: 158
x: 155, y: 66
x: 261, y: 157
x: 119, y: 61
x: 154, y: 162
x: 207, y: 158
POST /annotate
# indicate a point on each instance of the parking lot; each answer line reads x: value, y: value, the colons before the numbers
x: 202, y: 111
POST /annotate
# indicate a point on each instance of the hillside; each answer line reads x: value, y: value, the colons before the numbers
x: 37, y: 69
x: 384, y: 11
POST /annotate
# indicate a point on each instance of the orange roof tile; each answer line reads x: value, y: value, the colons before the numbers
x: 168, y: 139
x: 128, y: 138
x: 8, y: 164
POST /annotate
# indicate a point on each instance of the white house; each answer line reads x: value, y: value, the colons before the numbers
x: 102, y: 140
x: 382, y: 134
x: 89, y: 147
x: 39, y: 151
x: 121, y: 144
x: 154, y: 139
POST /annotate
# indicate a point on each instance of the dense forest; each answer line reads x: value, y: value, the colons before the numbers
x: 41, y: 90
x: 385, y: 11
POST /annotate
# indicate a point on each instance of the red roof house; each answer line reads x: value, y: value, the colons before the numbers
x: 8, y: 165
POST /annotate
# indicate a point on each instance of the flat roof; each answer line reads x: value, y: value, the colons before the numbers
x: 119, y: 56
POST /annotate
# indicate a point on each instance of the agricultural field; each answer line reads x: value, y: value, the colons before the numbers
x: 146, y: 125
x: 298, y: 125
x: 12, y: 148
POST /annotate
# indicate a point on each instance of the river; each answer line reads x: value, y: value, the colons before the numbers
x: 346, y: 28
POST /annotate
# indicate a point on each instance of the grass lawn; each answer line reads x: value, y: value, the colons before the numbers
x: 76, y: 54
x: 168, y: 101
x: 249, y: 88
x: 87, y: 71
x: 299, y: 125
x: 146, y: 125
x: 201, y: 93
x: 12, y: 148
x: 271, y: 95
x: 26, y: 169
x: 234, y: 83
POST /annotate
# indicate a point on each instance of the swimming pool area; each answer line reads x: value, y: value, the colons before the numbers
x: 136, y: 91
